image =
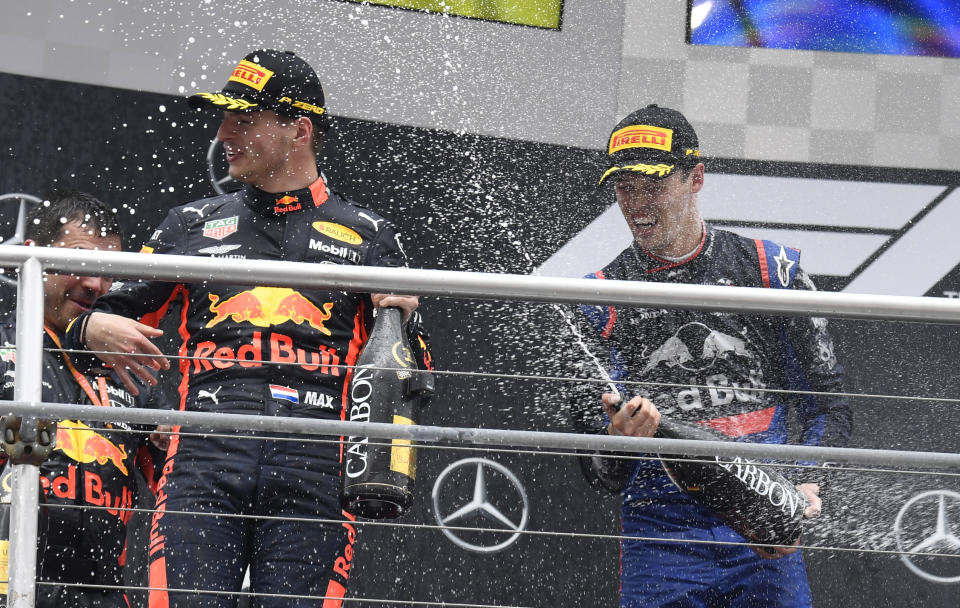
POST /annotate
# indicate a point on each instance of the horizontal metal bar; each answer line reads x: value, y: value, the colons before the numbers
x: 487, y: 286
x: 367, y: 601
x: 499, y: 437
x: 808, y: 524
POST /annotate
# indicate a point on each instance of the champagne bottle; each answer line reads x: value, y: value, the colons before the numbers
x: 378, y: 478
x: 755, y: 500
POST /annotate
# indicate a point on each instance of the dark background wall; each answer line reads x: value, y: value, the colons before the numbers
x: 465, y: 202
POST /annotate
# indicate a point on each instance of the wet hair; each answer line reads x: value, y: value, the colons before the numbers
x: 321, y: 124
x: 686, y: 168
x: 317, y: 140
x: 45, y: 222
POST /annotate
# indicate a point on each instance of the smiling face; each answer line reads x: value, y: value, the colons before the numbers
x: 65, y: 295
x: 260, y: 148
x: 662, y: 213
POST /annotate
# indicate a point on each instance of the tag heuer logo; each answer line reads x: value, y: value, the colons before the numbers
x: 220, y: 229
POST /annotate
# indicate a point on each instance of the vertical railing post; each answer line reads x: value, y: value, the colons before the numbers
x: 28, y: 384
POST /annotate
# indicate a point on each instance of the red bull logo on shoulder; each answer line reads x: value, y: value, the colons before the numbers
x: 269, y: 306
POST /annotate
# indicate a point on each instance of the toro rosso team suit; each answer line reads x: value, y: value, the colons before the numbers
x: 264, y: 350
x: 710, y: 368
x: 88, y: 481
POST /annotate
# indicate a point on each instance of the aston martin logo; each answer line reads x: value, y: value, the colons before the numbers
x: 483, y: 494
x: 926, y: 528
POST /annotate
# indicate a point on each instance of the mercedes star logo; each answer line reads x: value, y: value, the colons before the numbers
x: 25, y: 203
x: 462, y: 498
x: 217, y: 165
x: 926, y: 525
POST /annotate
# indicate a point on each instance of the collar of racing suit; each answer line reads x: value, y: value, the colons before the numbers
x: 654, y: 263
x: 292, y: 201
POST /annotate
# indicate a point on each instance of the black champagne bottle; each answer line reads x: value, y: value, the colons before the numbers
x: 753, y: 499
x: 378, y: 475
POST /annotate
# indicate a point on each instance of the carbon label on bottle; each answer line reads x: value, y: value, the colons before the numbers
x: 403, y: 456
x: 782, y: 495
x: 361, y: 391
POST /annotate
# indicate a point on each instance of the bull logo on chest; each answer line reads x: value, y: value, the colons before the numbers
x: 720, y: 371
x: 696, y: 347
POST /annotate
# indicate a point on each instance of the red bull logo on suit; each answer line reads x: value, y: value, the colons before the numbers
x: 84, y: 445
x: 269, y: 306
x: 700, y: 356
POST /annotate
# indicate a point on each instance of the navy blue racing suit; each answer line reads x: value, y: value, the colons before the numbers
x: 710, y: 368
x: 88, y: 481
x: 259, y: 350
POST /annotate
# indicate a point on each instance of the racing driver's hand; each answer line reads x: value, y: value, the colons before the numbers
x: 124, y: 342
x: 407, y: 304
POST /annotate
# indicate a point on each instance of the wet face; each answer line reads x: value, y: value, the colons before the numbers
x: 65, y: 295
x: 662, y: 213
x: 258, y: 146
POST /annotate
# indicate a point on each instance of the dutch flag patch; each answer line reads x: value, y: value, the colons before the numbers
x: 284, y: 392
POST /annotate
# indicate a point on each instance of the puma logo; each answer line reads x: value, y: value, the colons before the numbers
x: 213, y: 395
x: 199, y: 211
x: 376, y: 223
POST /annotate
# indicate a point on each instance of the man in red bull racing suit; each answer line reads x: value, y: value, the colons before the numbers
x: 705, y: 367
x: 89, y: 481
x: 265, y: 350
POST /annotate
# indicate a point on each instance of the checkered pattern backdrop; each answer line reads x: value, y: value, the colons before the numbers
x: 566, y: 87
x: 806, y: 106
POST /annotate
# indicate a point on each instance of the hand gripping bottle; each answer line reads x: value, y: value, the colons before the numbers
x: 378, y: 474
x: 755, y: 500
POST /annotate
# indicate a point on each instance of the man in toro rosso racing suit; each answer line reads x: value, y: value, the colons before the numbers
x: 273, y: 351
x: 89, y: 480
x: 705, y: 367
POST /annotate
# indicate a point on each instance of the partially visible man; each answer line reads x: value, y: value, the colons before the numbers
x: 706, y: 367
x: 256, y: 350
x: 89, y: 480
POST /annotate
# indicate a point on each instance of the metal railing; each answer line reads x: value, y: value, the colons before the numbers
x: 33, y: 262
x: 489, y: 286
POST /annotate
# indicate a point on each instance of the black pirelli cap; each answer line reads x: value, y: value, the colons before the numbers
x: 653, y: 141
x: 268, y: 80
